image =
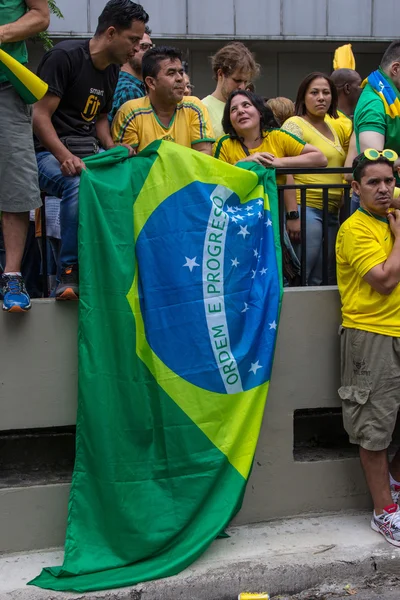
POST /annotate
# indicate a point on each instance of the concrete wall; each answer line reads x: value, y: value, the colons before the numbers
x: 263, y: 19
x: 38, y: 383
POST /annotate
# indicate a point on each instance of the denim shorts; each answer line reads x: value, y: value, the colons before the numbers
x: 19, y: 187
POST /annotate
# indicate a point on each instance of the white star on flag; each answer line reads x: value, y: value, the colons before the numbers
x: 263, y: 271
x: 191, y: 263
x: 246, y: 307
x: 254, y: 273
x: 249, y: 214
x: 237, y: 208
x: 272, y: 325
x: 239, y: 217
x: 255, y: 366
x: 268, y: 223
x: 243, y: 231
x: 260, y: 202
x: 259, y: 215
x: 255, y: 252
x: 234, y: 220
x: 235, y: 262
x: 249, y: 208
x: 230, y: 210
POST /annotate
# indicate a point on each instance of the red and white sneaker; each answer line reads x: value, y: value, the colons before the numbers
x: 388, y: 524
x: 395, y: 491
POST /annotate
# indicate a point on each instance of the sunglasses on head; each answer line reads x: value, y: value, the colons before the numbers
x: 372, y: 154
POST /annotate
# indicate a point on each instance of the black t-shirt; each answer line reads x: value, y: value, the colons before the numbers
x: 85, y: 91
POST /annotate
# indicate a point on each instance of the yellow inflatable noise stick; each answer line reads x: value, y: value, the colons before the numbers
x: 28, y: 85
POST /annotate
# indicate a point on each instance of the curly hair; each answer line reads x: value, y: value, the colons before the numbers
x: 283, y: 108
x: 267, y: 119
x: 234, y: 57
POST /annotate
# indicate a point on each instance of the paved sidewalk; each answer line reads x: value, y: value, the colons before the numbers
x: 280, y: 557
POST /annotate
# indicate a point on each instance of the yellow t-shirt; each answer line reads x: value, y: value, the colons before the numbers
x: 343, y: 126
x: 334, y: 152
x: 277, y: 142
x: 137, y: 124
x: 363, y: 242
x: 215, y: 109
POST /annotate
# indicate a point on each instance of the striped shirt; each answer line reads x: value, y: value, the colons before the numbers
x: 137, y: 124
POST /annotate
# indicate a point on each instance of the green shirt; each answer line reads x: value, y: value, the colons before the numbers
x: 370, y: 115
x: 10, y: 11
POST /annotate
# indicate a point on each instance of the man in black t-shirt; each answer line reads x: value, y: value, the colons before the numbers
x: 72, y: 117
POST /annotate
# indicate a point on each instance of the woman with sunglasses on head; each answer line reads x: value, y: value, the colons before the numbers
x: 317, y: 98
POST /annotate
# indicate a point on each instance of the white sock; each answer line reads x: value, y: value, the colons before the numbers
x: 393, y: 481
x: 13, y: 273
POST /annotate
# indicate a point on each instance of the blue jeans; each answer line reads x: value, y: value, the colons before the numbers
x: 53, y: 182
x: 314, y: 235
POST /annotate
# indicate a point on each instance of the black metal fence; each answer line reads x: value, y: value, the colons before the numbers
x: 344, y: 211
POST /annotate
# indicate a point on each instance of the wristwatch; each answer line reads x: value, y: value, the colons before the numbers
x: 293, y: 215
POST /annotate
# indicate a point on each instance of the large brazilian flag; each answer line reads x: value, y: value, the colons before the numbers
x: 180, y: 294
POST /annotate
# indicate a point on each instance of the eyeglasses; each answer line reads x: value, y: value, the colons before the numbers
x: 145, y: 47
x: 372, y: 154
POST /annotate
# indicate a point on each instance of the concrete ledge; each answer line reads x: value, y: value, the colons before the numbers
x: 38, y: 388
x: 280, y: 557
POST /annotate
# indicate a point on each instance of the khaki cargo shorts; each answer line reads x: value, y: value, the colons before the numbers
x: 370, y: 392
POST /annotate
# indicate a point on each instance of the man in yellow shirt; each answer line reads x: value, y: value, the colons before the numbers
x: 368, y: 273
x: 165, y: 114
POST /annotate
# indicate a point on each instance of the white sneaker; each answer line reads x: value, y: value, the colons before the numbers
x: 388, y: 524
x: 395, y: 491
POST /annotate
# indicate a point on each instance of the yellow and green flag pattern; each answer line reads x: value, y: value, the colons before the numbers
x: 180, y: 294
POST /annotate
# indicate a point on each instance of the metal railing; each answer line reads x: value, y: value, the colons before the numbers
x: 344, y: 211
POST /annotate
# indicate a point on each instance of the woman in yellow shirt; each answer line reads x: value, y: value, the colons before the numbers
x: 316, y: 98
x: 252, y: 134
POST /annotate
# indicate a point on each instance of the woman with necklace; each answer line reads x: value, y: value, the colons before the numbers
x: 316, y: 98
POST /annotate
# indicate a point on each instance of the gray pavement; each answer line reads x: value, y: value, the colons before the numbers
x: 282, y: 557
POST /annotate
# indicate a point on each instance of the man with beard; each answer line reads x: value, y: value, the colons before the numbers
x: 130, y: 81
x: 165, y: 114
x: 234, y: 68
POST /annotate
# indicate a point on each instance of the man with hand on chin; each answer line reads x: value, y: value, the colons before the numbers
x: 165, y: 114
x: 70, y: 122
x: 368, y: 273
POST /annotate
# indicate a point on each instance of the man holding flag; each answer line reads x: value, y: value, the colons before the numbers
x: 19, y: 191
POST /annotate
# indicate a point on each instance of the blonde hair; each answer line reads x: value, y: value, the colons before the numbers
x: 283, y: 108
x: 234, y: 57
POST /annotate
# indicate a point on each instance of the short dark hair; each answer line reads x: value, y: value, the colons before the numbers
x: 300, y: 106
x: 147, y: 30
x: 152, y: 58
x: 120, y: 14
x: 360, y: 164
x: 391, y: 55
x: 267, y: 119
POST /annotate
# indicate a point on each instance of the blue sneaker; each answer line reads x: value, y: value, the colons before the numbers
x: 15, y: 296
